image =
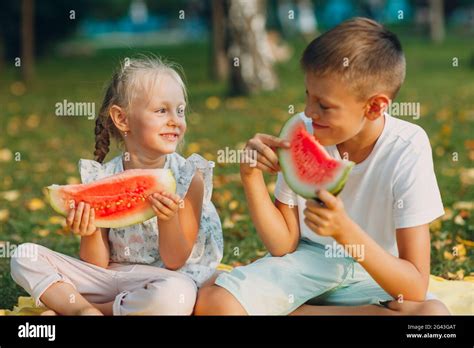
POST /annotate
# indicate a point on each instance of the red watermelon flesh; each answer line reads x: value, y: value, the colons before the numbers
x: 119, y: 200
x: 306, y: 165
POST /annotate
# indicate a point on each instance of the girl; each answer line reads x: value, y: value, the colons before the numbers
x: 150, y: 268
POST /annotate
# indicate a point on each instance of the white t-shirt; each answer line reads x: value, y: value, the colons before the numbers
x: 394, y: 187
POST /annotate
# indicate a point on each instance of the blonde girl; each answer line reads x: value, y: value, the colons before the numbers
x: 151, y: 268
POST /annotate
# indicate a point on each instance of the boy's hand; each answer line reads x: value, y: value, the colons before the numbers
x: 330, y: 220
x: 164, y: 204
x: 81, y: 220
x: 263, y: 145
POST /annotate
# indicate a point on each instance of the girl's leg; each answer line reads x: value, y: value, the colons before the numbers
x: 150, y: 290
x: 58, y: 280
x: 63, y: 298
x: 105, y: 308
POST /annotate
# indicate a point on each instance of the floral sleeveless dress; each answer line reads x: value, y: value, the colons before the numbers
x: 139, y: 243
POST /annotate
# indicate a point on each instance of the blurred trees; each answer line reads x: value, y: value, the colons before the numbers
x: 240, y: 46
x: 27, y: 39
x: 437, y: 31
x: 29, y: 28
x: 251, y: 62
x: 220, y: 66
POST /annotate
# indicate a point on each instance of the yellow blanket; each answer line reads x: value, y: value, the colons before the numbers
x: 458, y: 296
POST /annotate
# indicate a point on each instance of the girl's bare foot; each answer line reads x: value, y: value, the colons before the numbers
x: 89, y: 311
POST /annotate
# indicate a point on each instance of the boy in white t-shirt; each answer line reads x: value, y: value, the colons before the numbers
x: 379, y: 221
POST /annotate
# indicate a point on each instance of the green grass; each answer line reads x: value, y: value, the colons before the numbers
x: 50, y: 146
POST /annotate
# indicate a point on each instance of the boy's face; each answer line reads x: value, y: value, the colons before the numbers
x: 336, y: 112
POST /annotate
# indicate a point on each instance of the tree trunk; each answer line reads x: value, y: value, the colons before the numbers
x: 251, y: 63
x: 437, y: 31
x: 27, y: 39
x: 307, y: 23
x: 220, y: 67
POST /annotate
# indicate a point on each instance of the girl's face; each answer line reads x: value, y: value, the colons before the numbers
x: 157, y: 122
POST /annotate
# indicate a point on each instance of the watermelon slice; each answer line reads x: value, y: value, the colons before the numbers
x: 306, y: 165
x: 119, y: 200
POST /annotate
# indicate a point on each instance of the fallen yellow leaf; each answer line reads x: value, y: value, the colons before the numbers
x: 459, y: 250
x: 448, y: 214
x: 435, y: 225
x: 228, y: 223
x: 35, y: 204
x: 43, y: 232
x: 448, y: 256
x: 458, y: 220
x: 5, y: 155
x: 193, y: 147
x: 32, y: 121
x: 236, y: 103
x: 238, y: 217
x: 463, y: 205
x: 209, y: 156
x: 11, y: 195
x: 213, y: 102
x: 17, y: 88
x: 4, y: 214
x: 466, y: 242
x: 233, y: 204
x: 57, y: 220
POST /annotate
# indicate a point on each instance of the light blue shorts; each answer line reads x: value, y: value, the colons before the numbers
x: 279, y: 285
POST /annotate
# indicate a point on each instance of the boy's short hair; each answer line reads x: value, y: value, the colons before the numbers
x: 367, y: 56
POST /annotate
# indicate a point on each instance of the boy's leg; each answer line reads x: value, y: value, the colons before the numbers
x: 215, y: 300
x: 273, y: 285
x: 361, y: 295
x: 211, y: 297
x: 429, y: 307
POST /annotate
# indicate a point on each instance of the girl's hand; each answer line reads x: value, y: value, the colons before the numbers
x: 81, y: 220
x: 263, y: 146
x: 328, y: 220
x: 164, y: 204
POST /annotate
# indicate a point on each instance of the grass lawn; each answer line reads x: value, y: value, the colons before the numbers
x: 49, y: 146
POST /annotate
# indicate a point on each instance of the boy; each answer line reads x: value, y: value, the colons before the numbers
x: 352, y: 72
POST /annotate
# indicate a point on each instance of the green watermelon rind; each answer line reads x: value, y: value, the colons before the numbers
x: 308, y: 190
x: 342, y: 182
x: 147, y: 213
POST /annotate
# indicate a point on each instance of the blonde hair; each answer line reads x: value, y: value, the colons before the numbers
x: 123, y: 88
x: 364, y: 54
